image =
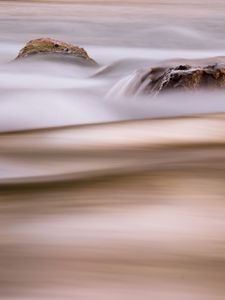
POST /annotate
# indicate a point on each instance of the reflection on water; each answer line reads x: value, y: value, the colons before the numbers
x: 105, y: 196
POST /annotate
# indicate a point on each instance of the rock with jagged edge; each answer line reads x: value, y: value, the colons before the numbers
x: 185, y: 78
x: 164, y: 79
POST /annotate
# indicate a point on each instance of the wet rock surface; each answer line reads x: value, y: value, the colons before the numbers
x: 172, y: 76
x: 54, y: 48
x: 182, y: 78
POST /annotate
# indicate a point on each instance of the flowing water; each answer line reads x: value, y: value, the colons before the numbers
x: 106, y: 195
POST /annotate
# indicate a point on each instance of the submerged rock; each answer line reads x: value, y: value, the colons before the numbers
x: 53, y: 47
x: 159, y: 80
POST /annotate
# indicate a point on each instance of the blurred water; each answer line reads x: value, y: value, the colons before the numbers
x: 104, y: 195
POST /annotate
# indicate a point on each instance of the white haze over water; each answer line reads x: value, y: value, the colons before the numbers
x: 45, y: 94
x: 126, y: 38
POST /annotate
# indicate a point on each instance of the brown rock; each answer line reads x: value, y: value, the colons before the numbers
x: 183, y: 78
x: 50, y: 46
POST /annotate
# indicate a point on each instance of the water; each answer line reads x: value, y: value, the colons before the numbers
x: 104, y: 195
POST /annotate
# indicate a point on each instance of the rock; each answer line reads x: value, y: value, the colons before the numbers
x: 185, y: 78
x: 163, y: 79
x: 54, y: 48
